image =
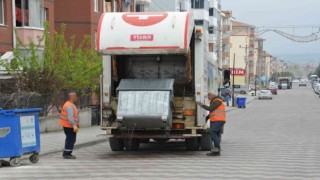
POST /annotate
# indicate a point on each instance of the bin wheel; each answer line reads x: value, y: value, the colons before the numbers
x: 15, y: 161
x: 34, y: 158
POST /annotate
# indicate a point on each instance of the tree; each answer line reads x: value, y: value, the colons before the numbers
x: 61, y: 66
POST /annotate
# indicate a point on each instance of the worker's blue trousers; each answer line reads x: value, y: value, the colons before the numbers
x: 215, y: 132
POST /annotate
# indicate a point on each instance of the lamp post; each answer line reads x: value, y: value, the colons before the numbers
x: 246, y: 61
x: 234, y: 61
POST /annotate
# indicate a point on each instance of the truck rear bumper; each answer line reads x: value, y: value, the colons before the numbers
x: 155, y: 136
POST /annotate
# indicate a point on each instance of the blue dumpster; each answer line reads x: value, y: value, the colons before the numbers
x: 241, y: 102
x: 19, y: 134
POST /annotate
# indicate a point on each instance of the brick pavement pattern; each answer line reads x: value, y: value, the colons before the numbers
x: 271, y: 139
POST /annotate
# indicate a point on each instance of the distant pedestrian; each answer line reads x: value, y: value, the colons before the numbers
x: 227, y: 98
x: 70, y: 121
x: 217, y: 118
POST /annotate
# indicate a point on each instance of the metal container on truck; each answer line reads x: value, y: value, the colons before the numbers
x: 156, y: 66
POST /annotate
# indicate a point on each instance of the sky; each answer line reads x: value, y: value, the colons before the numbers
x: 281, y: 13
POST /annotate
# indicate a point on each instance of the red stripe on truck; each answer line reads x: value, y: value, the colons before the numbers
x: 186, y: 31
x: 99, y: 31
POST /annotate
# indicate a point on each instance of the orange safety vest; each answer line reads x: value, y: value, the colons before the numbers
x: 64, y: 120
x: 219, y: 114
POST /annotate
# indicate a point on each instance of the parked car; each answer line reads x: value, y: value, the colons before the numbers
x: 302, y: 83
x: 252, y: 93
x: 265, y: 94
x: 295, y: 81
x: 317, y: 88
x: 242, y: 89
x: 273, y: 90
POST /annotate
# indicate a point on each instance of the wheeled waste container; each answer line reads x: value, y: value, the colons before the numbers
x: 241, y: 102
x: 19, y: 135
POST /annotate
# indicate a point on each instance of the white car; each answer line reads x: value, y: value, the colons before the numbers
x: 317, y: 88
x: 265, y: 94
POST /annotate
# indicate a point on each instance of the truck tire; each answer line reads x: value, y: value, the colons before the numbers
x: 205, y: 142
x: 132, y: 144
x: 192, y: 144
x: 161, y: 140
x: 144, y: 140
x: 116, y: 144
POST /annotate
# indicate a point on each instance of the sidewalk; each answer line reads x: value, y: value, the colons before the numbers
x: 54, y: 141
x: 249, y: 100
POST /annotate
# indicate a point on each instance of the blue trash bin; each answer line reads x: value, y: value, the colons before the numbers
x: 241, y: 102
x: 19, y: 134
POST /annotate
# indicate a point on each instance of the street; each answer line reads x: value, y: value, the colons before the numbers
x: 270, y: 139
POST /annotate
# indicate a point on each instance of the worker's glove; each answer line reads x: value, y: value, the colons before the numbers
x: 75, y: 128
x: 78, y: 125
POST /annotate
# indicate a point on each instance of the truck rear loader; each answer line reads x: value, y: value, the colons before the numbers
x: 156, y: 66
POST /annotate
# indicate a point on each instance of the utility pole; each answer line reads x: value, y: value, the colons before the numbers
x: 246, y: 61
x: 234, y: 61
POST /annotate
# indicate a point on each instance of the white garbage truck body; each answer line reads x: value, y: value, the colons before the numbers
x: 156, y: 66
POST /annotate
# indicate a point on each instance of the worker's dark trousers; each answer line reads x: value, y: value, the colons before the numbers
x: 215, y: 132
x: 70, y: 140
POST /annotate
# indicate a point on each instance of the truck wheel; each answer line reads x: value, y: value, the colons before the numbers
x: 162, y: 140
x: 144, y: 140
x: 192, y: 144
x: 242, y: 92
x: 131, y: 144
x: 205, y: 142
x: 15, y: 162
x: 116, y: 144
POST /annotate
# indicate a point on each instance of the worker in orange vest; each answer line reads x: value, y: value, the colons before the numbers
x: 217, y: 118
x: 69, y: 120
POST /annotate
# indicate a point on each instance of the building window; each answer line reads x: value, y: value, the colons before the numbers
x: 211, y: 30
x: 96, y: 5
x: 140, y: 8
x: 211, y: 47
x: 211, y: 12
x: 29, y: 13
x: 1, y: 12
x: 95, y: 40
x: 198, y: 4
x: 46, y: 14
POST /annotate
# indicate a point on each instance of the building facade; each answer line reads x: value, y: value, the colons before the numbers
x: 242, y: 51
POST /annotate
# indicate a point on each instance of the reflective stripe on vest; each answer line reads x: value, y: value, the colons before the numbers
x: 64, y: 120
x: 219, y: 114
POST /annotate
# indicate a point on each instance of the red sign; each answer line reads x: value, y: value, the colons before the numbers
x: 144, y: 19
x: 141, y: 37
x: 238, y: 72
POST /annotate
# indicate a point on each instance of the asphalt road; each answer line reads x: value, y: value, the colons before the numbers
x: 271, y: 139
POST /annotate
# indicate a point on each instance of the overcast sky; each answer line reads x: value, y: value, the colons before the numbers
x: 279, y: 12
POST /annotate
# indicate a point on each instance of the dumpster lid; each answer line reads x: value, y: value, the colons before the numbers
x: 13, y: 111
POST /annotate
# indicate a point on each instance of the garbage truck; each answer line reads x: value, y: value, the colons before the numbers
x: 156, y: 66
x: 284, y: 83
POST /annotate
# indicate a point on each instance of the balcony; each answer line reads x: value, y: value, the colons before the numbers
x: 226, y: 54
x: 226, y: 40
x: 26, y: 35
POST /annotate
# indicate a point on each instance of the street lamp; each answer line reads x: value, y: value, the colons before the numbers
x: 246, y: 61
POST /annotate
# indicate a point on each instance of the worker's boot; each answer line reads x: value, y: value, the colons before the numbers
x: 69, y: 156
x: 216, y: 149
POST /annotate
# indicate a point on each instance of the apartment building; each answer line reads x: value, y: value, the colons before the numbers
x: 242, y: 41
x: 226, y: 43
x: 27, y: 17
